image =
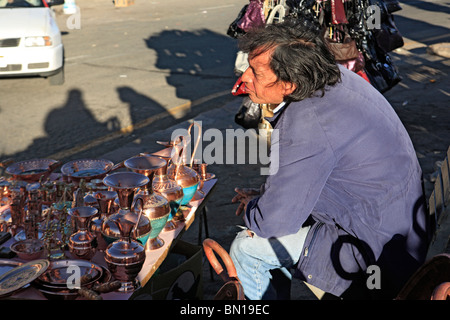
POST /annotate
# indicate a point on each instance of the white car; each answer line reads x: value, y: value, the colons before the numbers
x: 30, y: 40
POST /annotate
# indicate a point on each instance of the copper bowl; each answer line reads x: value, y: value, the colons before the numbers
x: 53, y: 283
x: 86, y: 169
x: 29, y: 249
x: 32, y: 170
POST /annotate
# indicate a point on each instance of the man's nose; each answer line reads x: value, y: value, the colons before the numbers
x: 245, y: 77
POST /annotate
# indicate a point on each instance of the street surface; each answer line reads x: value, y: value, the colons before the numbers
x: 124, y: 67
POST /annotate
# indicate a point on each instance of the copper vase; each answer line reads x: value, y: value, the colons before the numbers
x: 178, y: 171
x: 105, y: 200
x: 125, y: 257
x: 126, y: 185
x: 82, y: 243
x: 154, y: 206
x: 185, y: 177
x: 170, y: 190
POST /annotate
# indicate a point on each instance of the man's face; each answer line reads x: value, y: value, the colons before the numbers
x: 261, y: 82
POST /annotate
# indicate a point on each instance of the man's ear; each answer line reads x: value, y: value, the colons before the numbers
x: 289, y: 87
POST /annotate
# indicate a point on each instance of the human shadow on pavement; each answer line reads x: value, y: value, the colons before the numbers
x: 428, y: 6
x: 199, y: 63
x: 67, y: 126
x: 421, y: 31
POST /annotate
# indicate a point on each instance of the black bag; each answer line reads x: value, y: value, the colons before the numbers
x: 233, y: 30
x: 388, y: 37
x: 379, y: 67
x: 248, y: 115
x: 383, y: 75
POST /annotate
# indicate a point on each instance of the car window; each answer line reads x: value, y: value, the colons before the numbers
x: 21, y: 3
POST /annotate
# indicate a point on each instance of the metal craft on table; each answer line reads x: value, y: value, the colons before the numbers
x: 57, y: 229
x: 28, y: 249
x: 125, y: 257
x: 32, y: 170
x: 204, y: 176
x: 58, y: 281
x: 5, y: 220
x: 92, y: 187
x: 83, y: 243
x: 4, y: 191
x: 105, y: 200
x: 126, y: 185
x: 21, y: 276
x: 86, y: 169
x: 89, y: 199
x: 153, y: 205
x: 17, y: 212
x: 170, y: 190
x: 184, y: 175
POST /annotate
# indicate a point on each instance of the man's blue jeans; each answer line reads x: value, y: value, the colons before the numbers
x: 255, y: 258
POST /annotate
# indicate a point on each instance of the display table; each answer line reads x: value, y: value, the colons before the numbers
x: 154, y: 258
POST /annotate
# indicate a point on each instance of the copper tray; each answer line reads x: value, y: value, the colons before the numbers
x: 87, y: 169
x: 32, y: 170
x: 20, y: 276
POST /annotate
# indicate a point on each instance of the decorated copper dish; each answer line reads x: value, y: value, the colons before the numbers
x: 60, y: 272
x: 21, y: 276
x: 87, y: 169
x: 32, y: 170
x: 58, y: 281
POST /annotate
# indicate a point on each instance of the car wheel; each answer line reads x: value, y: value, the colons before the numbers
x: 57, y: 79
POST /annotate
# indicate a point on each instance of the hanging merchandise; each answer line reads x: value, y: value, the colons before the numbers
x: 358, y: 41
x: 253, y: 17
x: 380, y: 69
x: 234, y: 30
x: 382, y: 73
x: 338, y: 12
x: 355, y: 44
x: 341, y: 45
x: 387, y: 35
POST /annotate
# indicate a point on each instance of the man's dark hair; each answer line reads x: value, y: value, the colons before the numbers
x: 300, y: 55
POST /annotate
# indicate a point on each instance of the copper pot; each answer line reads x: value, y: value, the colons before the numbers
x: 153, y: 205
x: 171, y: 190
x: 125, y: 257
x: 105, y: 200
x: 126, y: 184
x: 185, y: 177
x: 82, y: 243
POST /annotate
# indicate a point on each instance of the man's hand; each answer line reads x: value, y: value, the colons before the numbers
x: 244, y: 196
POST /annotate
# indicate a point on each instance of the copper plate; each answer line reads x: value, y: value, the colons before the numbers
x: 87, y: 168
x: 30, y: 170
x: 57, y: 275
x: 22, y: 275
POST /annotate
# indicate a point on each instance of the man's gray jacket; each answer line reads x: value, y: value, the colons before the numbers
x: 344, y: 164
